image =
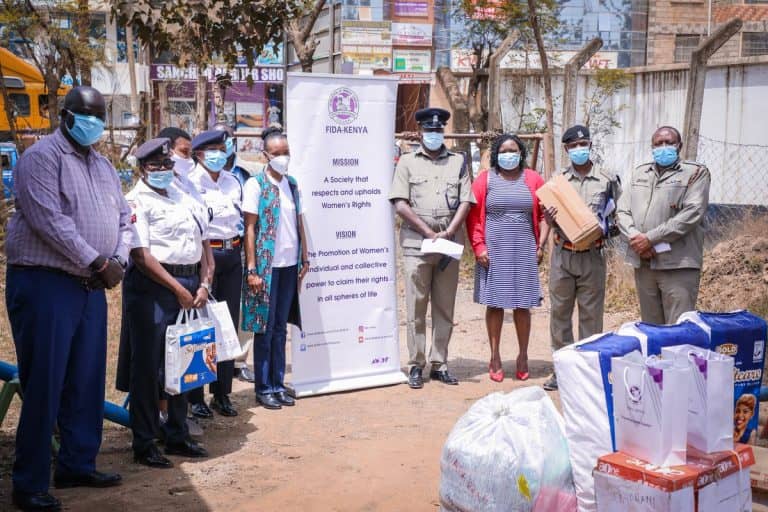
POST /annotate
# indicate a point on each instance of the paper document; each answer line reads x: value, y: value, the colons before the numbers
x: 662, y: 247
x: 442, y: 246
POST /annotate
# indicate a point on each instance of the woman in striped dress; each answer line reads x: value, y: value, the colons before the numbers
x: 507, y: 236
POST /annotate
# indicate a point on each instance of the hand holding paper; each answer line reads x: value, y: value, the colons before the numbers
x: 442, y: 246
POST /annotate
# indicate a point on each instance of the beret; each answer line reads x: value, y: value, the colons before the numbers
x: 432, y: 117
x: 153, y: 148
x: 209, y: 137
x: 576, y: 132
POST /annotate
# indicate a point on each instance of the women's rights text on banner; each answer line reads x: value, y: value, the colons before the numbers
x: 341, y: 134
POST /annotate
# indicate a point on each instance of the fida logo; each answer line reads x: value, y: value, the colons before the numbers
x: 758, y: 352
x: 343, y: 105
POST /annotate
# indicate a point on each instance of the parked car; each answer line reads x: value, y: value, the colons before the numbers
x: 8, y: 158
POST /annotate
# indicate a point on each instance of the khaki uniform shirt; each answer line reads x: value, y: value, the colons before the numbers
x: 668, y: 208
x: 595, y: 188
x: 434, y: 189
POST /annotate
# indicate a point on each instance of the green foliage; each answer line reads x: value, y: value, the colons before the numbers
x: 600, y: 114
x: 199, y: 31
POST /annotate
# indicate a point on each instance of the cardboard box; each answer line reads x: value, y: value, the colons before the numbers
x: 575, y: 218
x: 759, y: 472
x: 707, y: 483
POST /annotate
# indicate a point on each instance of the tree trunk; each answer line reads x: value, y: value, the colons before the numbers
x: 201, y: 99
x: 52, y: 84
x: 83, y: 27
x: 8, y: 108
x: 549, y: 137
x: 135, y: 108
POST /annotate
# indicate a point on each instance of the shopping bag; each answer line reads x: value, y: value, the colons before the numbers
x: 227, y: 341
x: 190, y: 352
x: 710, y: 395
x: 508, y: 453
x: 650, y: 403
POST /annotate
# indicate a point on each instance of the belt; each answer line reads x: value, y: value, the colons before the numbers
x: 89, y: 283
x: 433, y: 212
x: 182, y: 270
x: 568, y: 246
x: 228, y: 244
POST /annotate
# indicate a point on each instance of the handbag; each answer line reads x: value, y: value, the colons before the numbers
x: 650, y: 404
x: 227, y: 341
x: 190, y: 352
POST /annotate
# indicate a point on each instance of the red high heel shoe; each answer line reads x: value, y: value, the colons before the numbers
x: 522, y: 375
x: 496, y: 376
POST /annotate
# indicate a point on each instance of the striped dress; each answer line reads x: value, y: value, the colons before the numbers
x: 511, y: 280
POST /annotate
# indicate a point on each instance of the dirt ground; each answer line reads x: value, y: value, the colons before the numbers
x: 369, y: 450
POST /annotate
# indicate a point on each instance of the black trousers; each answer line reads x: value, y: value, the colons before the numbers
x: 150, y: 308
x: 227, y: 286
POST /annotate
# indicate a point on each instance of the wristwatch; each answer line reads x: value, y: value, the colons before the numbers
x: 205, y: 285
x: 252, y: 272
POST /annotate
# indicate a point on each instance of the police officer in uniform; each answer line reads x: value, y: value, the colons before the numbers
x: 167, y: 272
x: 223, y: 197
x: 661, y: 215
x: 578, y: 275
x: 432, y: 194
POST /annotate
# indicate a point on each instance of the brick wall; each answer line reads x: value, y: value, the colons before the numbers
x: 667, y: 18
x: 723, y: 13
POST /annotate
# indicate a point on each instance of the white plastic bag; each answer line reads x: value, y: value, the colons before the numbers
x: 650, y: 404
x: 190, y: 353
x: 710, y: 395
x: 508, y: 453
x: 227, y: 341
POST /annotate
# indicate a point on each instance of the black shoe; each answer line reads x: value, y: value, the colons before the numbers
x: 415, y: 380
x: 95, y: 479
x: 284, y: 398
x: 444, y: 377
x: 35, y: 501
x: 188, y: 448
x: 223, y: 406
x: 268, y: 401
x: 152, y: 458
x: 551, y: 384
x: 247, y: 375
x: 201, y: 410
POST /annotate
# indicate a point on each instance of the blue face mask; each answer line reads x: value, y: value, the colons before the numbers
x: 665, y: 156
x: 160, y: 179
x: 432, y: 140
x: 579, y: 156
x: 230, y: 145
x: 86, y: 130
x: 509, y: 161
x: 215, y: 160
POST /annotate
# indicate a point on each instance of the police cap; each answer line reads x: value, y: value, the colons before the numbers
x: 154, y: 148
x: 208, y: 137
x: 432, y: 117
x: 577, y: 132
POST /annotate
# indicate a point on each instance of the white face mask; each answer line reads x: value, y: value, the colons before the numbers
x: 280, y: 164
x: 183, y: 165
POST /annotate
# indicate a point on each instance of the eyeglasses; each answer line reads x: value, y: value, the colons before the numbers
x: 162, y: 165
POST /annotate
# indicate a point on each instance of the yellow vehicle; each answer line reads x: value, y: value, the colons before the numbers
x: 27, y: 93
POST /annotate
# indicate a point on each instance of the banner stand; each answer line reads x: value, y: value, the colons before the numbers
x: 342, y: 138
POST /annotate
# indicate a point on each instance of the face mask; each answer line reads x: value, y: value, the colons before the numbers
x: 280, y: 163
x: 579, y: 156
x: 86, y: 130
x: 509, y: 161
x: 215, y: 160
x: 432, y: 140
x: 160, y: 179
x: 183, y: 165
x: 665, y: 156
x: 230, y: 145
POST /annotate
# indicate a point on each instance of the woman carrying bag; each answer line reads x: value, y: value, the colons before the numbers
x: 167, y: 273
x: 276, y: 263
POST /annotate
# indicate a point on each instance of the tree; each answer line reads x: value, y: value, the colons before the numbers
x: 56, y: 48
x: 299, y: 32
x: 198, y: 31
